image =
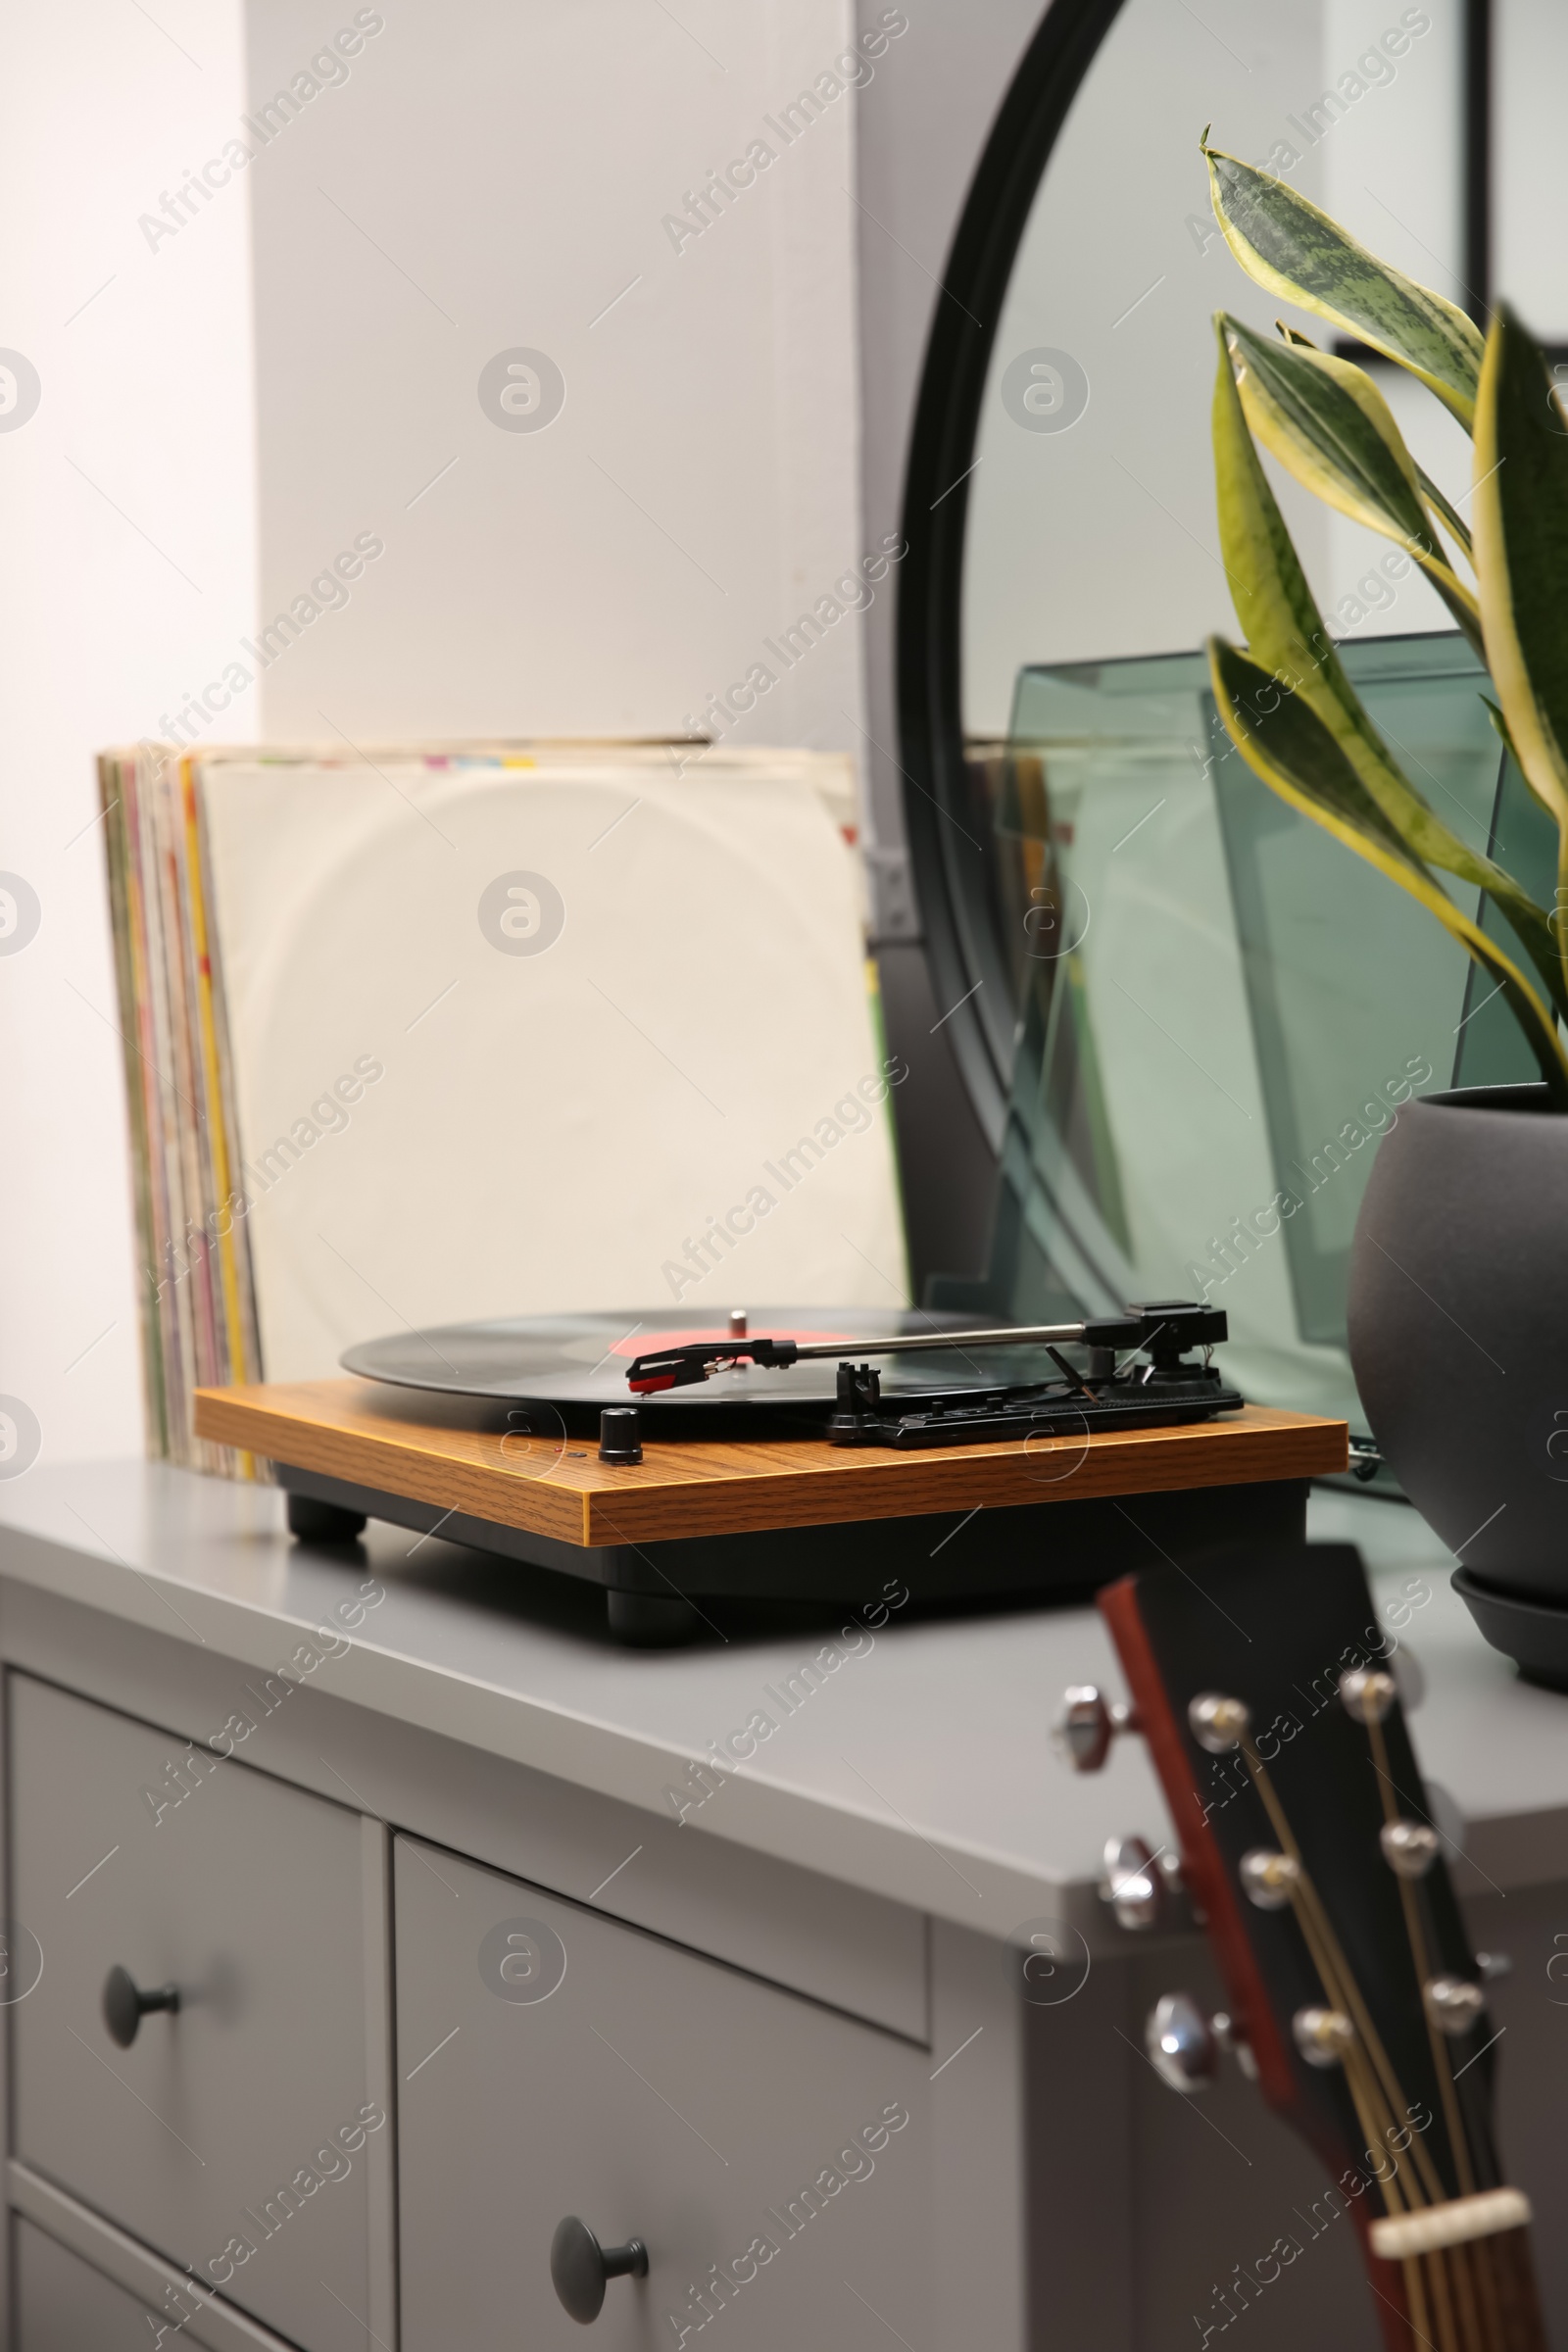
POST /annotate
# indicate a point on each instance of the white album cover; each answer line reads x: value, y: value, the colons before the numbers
x: 510, y: 1039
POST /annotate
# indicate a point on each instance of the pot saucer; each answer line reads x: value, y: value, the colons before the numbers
x: 1530, y: 1631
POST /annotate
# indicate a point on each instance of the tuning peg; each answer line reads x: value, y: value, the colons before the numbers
x: 1410, y: 1847
x: 1269, y: 1878
x: 1137, y: 1883
x: 1184, y: 2044
x: 1452, y: 2005
x: 1322, y: 2036
x: 1181, y: 2042
x: 1366, y: 1695
x: 1219, y: 1724
x: 1087, y: 1724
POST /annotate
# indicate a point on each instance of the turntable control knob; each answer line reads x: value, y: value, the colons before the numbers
x: 737, y: 1323
x: 620, y: 1434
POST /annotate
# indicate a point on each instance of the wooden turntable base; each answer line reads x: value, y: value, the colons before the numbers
x: 406, y: 1443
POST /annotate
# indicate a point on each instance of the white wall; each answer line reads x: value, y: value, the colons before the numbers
x: 125, y: 516
x: 493, y: 178
x: 479, y: 178
x: 1529, y: 79
x: 1391, y: 172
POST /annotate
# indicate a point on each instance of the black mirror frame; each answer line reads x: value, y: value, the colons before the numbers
x: 942, y: 455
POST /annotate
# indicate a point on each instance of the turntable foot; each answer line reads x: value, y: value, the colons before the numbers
x: 650, y: 1621
x: 322, y: 1522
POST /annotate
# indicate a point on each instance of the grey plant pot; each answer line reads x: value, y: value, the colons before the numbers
x: 1458, y: 1324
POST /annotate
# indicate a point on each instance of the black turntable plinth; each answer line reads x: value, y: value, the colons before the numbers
x: 748, y: 1494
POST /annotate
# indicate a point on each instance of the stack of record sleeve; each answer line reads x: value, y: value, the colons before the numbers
x: 195, y: 1280
x: 430, y: 1033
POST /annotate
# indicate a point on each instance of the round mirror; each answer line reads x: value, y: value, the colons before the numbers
x: 1188, y: 1013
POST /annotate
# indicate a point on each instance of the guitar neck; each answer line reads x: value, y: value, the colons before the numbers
x: 1306, y: 1846
x: 1480, y: 2296
x: 1520, y: 2325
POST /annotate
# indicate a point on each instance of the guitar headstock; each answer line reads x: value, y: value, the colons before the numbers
x: 1267, y: 1691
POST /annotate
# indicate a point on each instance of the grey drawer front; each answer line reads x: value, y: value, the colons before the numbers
x: 229, y: 2136
x: 64, y: 2305
x: 654, y: 2094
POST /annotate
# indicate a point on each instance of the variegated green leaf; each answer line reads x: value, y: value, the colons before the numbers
x: 1285, y: 743
x: 1295, y: 251
x: 1328, y: 423
x: 1453, y: 520
x: 1287, y: 637
x: 1499, y: 727
x: 1521, y: 527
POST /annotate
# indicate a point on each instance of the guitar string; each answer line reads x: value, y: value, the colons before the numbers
x: 1378, y: 2128
x: 1377, y: 2125
x: 1364, y: 2095
x: 1479, y: 2324
x: 1518, y: 2293
x: 1505, y: 2258
x: 1489, y: 2283
x: 1350, y: 1995
x: 1448, y: 2270
x: 1398, y: 2195
x: 1472, y: 2277
x: 1416, y: 2295
x: 1421, y: 2272
x: 1502, y: 2262
x: 1418, y: 1954
x: 1448, y: 2276
x: 1342, y: 1989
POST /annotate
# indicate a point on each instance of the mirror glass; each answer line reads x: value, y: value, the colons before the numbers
x: 1209, y: 1008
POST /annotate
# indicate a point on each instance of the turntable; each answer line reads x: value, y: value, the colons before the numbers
x: 793, y: 1454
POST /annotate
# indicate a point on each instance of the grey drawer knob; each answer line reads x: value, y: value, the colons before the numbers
x: 125, y: 2006
x: 580, y: 2266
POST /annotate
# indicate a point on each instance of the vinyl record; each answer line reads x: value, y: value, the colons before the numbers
x: 581, y: 1361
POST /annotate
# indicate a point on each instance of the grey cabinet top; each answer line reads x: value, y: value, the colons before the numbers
x: 912, y: 1760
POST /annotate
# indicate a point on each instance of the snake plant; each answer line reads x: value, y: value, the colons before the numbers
x: 1286, y: 700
